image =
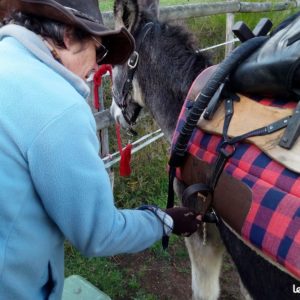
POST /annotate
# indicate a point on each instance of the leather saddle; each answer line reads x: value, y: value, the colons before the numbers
x: 232, y: 199
x: 249, y: 115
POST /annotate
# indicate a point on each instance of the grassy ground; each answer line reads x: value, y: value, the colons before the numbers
x: 155, y: 274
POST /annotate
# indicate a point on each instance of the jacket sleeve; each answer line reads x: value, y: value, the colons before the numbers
x: 75, y: 190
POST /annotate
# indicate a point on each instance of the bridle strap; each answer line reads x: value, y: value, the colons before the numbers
x: 127, y: 88
x: 128, y: 85
x: 133, y: 62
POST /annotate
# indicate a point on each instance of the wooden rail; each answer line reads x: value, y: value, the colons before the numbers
x: 169, y: 13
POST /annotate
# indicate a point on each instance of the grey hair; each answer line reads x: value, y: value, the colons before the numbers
x: 45, y: 27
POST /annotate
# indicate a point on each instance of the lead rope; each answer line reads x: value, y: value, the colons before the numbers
x: 103, y: 69
x: 170, y: 202
x: 125, y: 169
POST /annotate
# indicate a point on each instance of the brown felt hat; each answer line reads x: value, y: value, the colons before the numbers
x: 83, y: 14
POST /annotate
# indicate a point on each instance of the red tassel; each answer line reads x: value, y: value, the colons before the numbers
x: 125, y: 169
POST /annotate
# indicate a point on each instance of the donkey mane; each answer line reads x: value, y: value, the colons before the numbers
x: 174, y: 47
x: 188, y: 60
x: 169, y: 63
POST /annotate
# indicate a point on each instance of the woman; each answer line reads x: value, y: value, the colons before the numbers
x: 53, y: 185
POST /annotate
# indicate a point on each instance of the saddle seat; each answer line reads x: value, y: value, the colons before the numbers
x: 258, y: 193
x: 250, y: 115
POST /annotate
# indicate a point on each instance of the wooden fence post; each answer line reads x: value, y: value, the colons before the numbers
x: 229, y: 34
x: 102, y: 134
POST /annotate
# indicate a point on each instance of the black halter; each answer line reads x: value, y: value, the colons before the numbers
x: 123, y: 101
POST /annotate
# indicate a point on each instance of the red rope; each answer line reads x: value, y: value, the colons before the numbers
x: 125, y: 154
x: 103, y: 69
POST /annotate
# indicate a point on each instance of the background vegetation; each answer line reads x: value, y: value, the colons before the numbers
x: 148, y: 184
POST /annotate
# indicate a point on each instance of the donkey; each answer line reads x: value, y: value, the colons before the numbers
x: 161, y: 72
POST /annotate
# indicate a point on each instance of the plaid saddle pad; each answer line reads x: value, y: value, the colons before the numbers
x: 273, y: 222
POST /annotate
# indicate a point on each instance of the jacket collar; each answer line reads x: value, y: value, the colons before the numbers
x: 37, y: 47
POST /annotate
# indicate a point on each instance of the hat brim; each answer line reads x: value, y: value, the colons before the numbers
x: 119, y: 43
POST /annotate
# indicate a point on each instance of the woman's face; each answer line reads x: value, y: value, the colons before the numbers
x: 80, y: 56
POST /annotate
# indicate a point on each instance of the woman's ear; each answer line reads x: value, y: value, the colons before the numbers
x: 72, y: 44
x: 68, y: 38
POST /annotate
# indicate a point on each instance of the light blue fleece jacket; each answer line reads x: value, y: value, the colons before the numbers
x: 52, y: 183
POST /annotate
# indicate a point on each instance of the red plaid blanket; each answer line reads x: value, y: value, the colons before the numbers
x: 273, y: 222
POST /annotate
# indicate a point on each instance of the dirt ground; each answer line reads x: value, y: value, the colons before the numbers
x: 170, y: 278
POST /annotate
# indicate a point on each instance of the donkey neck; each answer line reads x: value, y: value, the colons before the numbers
x: 168, y: 65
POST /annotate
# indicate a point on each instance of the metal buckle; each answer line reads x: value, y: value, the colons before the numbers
x: 133, y: 60
x: 226, y: 149
x: 201, y: 197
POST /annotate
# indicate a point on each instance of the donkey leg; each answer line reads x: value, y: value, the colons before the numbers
x: 244, y: 291
x: 206, y: 260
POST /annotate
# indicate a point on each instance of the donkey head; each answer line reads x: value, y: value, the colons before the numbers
x: 160, y: 72
x: 138, y: 17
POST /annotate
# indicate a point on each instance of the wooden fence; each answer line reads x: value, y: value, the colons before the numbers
x: 169, y: 13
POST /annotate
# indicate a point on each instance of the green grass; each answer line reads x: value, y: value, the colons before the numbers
x: 101, y: 272
x: 148, y: 181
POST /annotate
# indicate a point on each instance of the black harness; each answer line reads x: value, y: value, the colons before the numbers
x: 124, y: 103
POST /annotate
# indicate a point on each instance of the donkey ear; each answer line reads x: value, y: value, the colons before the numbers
x: 151, y: 6
x: 126, y: 13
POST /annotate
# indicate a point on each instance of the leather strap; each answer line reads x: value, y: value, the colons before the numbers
x: 250, y: 115
x: 231, y: 198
